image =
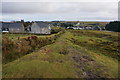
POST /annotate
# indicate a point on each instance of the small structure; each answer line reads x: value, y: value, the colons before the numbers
x: 40, y: 28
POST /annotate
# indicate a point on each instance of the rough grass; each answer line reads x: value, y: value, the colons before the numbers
x: 13, y: 49
x: 15, y: 36
x: 63, y: 59
x: 99, y: 42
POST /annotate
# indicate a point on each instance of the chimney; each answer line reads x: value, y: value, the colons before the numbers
x: 22, y: 21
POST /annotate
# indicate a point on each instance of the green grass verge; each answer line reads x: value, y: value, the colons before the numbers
x: 63, y: 59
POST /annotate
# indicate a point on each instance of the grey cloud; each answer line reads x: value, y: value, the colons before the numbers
x: 47, y: 10
x: 119, y: 11
x: 47, y: 7
x: 32, y: 7
x: 21, y: 7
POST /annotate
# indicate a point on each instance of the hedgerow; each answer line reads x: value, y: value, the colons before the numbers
x: 14, y: 49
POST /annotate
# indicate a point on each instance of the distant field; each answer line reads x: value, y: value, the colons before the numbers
x: 74, y: 54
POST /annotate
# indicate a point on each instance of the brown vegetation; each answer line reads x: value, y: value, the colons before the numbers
x: 13, y: 49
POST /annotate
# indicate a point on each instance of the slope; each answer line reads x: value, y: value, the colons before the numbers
x: 62, y: 59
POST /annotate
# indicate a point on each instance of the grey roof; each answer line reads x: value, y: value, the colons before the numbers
x: 5, y: 25
x: 42, y: 24
x: 11, y: 25
x: 15, y: 25
x: 0, y: 25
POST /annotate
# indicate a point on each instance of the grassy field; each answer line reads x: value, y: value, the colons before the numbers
x: 75, y: 54
x: 99, y: 42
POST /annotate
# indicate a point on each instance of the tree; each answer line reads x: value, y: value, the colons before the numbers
x: 113, y: 26
x: 66, y: 25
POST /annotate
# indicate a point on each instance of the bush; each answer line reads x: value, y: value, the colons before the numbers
x: 113, y: 26
x: 57, y: 29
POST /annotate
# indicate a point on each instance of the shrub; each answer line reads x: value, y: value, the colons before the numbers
x: 113, y: 26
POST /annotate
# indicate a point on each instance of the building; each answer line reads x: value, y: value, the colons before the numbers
x: 40, y: 28
x: 12, y: 27
x: 97, y: 28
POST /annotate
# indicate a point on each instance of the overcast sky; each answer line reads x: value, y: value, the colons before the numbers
x: 69, y: 11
